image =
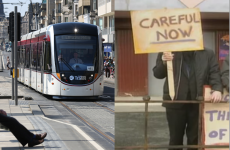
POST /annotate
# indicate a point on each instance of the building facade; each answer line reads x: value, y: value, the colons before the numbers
x: 50, y: 17
x: 94, y: 12
x: 25, y: 24
x: 58, y: 11
x: 106, y: 23
x: 42, y: 14
x: 215, y: 26
x: 84, y: 11
x: 4, y: 37
x: 75, y: 10
x: 36, y: 16
x: 2, y: 14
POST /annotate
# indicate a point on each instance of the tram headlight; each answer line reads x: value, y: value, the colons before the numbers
x: 75, y: 30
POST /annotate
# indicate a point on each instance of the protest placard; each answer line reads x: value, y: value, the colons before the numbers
x: 215, y: 121
x: 166, y: 30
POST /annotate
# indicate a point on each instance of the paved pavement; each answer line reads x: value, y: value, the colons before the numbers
x: 23, y: 114
x: 130, y: 129
x: 109, y: 80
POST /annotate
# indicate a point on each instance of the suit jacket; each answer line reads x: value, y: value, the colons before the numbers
x: 206, y: 70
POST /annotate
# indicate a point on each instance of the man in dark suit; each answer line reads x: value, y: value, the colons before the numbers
x: 192, y: 70
x: 225, y: 73
x: 23, y: 135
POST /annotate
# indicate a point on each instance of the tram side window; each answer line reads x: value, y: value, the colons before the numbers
x: 39, y: 57
x: 47, y: 58
x: 34, y: 57
x: 23, y: 56
x: 27, y: 60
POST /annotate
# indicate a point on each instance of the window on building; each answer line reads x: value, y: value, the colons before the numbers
x: 59, y: 8
x: 66, y: 19
x: 101, y: 23
x: 59, y: 19
x: 66, y: 2
x: 94, y: 4
x: 111, y: 23
x: 86, y: 9
x: 94, y: 22
x: 101, y: 2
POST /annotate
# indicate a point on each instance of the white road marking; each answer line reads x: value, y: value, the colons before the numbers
x: 97, y: 146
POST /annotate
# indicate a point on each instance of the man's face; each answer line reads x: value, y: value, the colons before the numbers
x: 75, y: 55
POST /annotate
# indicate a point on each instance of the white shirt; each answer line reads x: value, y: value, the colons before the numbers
x: 74, y: 60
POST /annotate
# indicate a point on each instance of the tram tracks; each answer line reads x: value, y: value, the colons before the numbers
x: 103, y: 106
x: 103, y: 134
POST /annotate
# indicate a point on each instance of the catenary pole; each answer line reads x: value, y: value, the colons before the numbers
x: 15, y: 55
x: 12, y: 66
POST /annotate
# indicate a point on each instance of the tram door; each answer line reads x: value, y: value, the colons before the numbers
x: 42, y: 67
x: 39, y: 67
x: 27, y: 66
x: 34, y: 66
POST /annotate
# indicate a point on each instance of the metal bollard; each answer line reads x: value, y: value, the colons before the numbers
x: 200, y: 134
x: 146, y: 99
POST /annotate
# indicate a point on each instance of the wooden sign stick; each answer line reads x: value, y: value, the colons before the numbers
x: 170, y: 79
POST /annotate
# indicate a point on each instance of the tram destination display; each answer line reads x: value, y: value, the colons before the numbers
x: 166, y: 30
x: 71, y: 37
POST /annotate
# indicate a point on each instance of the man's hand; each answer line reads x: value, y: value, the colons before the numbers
x: 167, y: 56
x: 3, y: 112
x: 216, y: 97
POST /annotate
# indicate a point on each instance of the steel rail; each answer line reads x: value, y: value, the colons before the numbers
x: 103, y: 106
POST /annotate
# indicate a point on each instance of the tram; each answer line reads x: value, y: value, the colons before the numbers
x: 63, y: 60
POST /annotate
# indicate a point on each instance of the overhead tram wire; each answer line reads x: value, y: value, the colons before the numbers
x: 21, y: 6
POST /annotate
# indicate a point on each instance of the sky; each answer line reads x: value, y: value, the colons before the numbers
x: 22, y: 9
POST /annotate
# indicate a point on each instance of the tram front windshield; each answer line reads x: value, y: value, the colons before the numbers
x: 76, y: 52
